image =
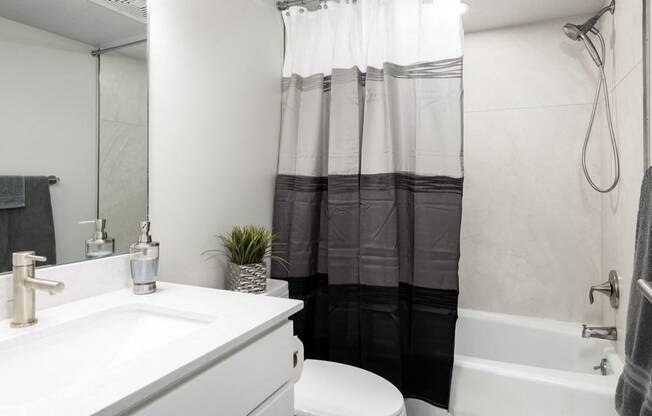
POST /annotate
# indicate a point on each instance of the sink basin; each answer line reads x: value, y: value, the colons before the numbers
x: 41, y: 363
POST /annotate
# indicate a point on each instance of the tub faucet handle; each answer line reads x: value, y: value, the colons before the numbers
x: 604, y: 288
x: 608, y: 288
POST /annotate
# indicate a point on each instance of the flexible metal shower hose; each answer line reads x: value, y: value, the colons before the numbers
x: 614, y: 145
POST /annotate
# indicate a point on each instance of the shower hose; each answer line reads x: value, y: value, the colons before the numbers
x: 602, y: 83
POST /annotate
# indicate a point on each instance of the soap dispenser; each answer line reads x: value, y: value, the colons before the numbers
x: 100, y: 245
x: 144, y: 261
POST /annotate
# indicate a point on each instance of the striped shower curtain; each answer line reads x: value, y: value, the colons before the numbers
x: 369, y: 187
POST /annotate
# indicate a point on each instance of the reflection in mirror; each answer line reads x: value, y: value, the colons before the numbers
x: 73, y: 108
x: 123, y: 142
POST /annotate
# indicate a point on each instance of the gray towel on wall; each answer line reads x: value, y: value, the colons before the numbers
x: 12, y: 192
x: 634, y: 391
x: 31, y: 227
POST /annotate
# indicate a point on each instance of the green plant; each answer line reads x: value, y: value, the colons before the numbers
x: 248, y: 244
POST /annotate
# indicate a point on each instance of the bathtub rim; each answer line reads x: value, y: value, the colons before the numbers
x: 584, y: 381
x: 562, y: 327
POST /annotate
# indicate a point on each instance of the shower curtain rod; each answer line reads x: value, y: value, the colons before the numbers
x: 100, y: 51
x: 285, y: 4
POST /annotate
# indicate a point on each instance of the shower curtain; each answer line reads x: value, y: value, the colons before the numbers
x: 368, y: 197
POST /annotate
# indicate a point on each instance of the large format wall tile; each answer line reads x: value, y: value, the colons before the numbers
x: 531, y: 225
x: 531, y: 228
x: 123, y: 89
x: 123, y: 180
x: 620, y: 208
x: 626, y: 40
x: 526, y: 66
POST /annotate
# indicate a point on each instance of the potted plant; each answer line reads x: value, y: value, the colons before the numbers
x: 246, y: 248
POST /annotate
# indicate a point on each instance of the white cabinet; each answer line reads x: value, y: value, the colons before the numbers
x: 280, y: 404
x: 254, y: 380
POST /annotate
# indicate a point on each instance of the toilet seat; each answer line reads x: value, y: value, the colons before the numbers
x: 332, y: 389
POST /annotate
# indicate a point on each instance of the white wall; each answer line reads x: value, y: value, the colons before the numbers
x: 123, y: 146
x: 48, y: 123
x: 531, y: 227
x: 623, y: 32
x: 215, y: 93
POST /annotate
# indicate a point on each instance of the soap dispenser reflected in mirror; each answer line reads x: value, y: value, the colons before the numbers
x: 100, y: 245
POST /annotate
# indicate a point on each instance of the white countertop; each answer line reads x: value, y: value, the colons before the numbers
x: 225, y: 321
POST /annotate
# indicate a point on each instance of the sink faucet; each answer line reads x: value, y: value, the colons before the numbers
x: 24, y: 285
x: 600, y: 332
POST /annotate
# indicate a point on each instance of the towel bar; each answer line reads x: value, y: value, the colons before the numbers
x: 645, y: 288
x: 53, y: 179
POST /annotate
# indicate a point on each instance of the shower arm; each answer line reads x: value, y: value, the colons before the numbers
x: 589, y: 24
x: 610, y: 8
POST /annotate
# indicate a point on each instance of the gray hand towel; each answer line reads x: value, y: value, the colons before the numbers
x: 634, y: 391
x: 12, y: 192
x: 31, y: 227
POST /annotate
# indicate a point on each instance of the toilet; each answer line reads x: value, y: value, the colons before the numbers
x: 332, y: 389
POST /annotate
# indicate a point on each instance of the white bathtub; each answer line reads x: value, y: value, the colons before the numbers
x: 517, y: 366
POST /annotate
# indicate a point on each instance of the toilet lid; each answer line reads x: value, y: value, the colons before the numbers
x: 332, y: 389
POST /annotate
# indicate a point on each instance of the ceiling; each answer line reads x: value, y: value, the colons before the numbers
x: 492, y: 14
x: 87, y: 22
x: 81, y: 20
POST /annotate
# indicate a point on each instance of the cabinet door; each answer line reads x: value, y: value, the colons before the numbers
x: 280, y: 404
x: 233, y: 386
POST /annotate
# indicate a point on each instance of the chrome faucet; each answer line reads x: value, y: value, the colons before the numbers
x: 24, y: 285
x: 600, y: 332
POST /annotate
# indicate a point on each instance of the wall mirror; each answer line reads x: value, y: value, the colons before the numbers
x: 73, y: 125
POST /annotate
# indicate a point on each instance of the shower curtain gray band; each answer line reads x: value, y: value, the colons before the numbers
x: 367, y: 213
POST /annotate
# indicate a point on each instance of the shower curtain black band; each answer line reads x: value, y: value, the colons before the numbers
x: 405, y: 333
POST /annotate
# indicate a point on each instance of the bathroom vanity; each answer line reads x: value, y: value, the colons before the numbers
x: 182, y: 350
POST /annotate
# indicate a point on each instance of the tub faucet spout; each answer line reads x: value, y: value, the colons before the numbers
x: 600, y: 332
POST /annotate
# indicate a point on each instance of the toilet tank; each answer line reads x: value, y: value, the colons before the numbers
x: 277, y: 288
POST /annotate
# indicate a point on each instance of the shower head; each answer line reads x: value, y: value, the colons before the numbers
x: 579, y: 32
x: 573, y: 31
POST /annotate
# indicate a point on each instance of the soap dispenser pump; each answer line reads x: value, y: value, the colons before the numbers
x: 101, y: 245
x: 144, y: 261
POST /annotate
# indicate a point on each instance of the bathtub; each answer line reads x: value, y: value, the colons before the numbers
x: 509, y: 365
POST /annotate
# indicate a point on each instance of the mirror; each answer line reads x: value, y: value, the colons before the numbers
x: 73, y: 126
